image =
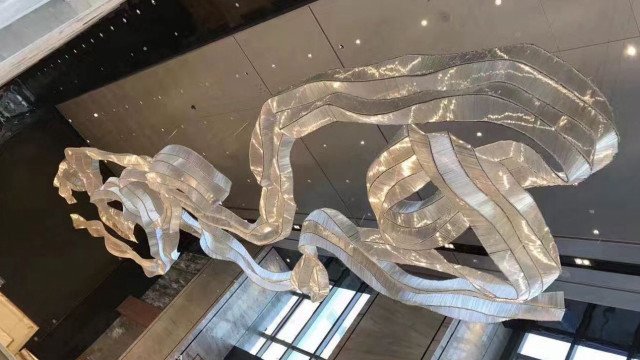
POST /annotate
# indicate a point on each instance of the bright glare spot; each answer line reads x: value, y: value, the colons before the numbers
x: 273, y: 66
x: 596, y: 232
x: 361, y: 142
x: 357, y: 41
x: 95, y: 114
x: 631, y: 50
x: 424, y: 22
x: 479, y: 134
x: 584, y: 353
x: 498, y: 2
x: 579, y: 261
x: 449, y: 246
x: 541, y: 347
x: 309, y: 55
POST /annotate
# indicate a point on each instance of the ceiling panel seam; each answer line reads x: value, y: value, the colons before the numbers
x: 553, y: 34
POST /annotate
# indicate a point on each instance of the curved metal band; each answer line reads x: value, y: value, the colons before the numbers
x: 566, y: 120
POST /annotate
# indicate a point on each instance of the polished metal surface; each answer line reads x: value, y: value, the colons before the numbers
x: 520, y: 87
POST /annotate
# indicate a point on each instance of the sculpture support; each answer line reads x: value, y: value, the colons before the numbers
x: 521, y: 87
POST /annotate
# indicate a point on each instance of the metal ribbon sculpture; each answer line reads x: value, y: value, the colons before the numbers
x: 521, y: 87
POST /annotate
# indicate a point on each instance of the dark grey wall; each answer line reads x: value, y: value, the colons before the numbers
x: 48, y: 266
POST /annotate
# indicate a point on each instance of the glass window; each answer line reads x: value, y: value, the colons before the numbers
x: 294, y: 328
x: 586, y: 353
x: 323, y: 323
x: 543, y: 348
x: 342, y: 329
x: 274, y: 352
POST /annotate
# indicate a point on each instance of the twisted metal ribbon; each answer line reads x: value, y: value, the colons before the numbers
x: 521, y: 87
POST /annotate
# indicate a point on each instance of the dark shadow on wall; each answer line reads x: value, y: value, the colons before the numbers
x: 62, y: 278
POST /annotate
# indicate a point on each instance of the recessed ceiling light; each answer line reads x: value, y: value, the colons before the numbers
x: 309, y: 55
x: 498, y: 2
x: 95, y: 114
x: 479, y: 134
x: 631, y: 50
x: 357, y: 41
x: 324, y: 145
x: 424, y: 22
x: 347, y: 181
x: 237, y: 5
x: 273, y: 66
x: 361, y: 142
x: 596, y: 232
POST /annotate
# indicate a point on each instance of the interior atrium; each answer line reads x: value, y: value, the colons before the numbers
x: 331, y: 179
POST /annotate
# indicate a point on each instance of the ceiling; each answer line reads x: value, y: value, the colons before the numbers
x: 209, y: 99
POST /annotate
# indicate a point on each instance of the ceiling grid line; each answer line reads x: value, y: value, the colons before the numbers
x: 555, y: 38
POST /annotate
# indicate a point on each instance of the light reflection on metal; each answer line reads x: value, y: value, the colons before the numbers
x: 520, y: 87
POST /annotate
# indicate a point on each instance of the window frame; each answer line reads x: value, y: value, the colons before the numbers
x: 293, y: 346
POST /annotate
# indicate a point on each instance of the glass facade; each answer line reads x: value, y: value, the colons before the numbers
x: 294, y: 328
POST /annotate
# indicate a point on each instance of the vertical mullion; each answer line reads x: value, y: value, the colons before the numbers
x: 345, y: 273
x: 582, y: 329
x: 266, y: 344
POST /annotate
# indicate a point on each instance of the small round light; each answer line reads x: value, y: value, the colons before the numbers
x: 95, y: 114
x: 479, y: 134
x: 237, y: 5
x: 357, y: 41
x: 324, y: 145
x: 424, y: 22
x: 631, y: 50
x: 273, y: 66
x: 347, y: 181
x: 596, y: 232
x: 361, y: 142
x: 309, y: 55
x: 498, y: 2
